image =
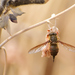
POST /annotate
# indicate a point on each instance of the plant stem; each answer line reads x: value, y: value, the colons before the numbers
x: 35, y: 25
x: 5, y: 65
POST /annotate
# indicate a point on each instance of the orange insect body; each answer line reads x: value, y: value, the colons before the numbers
x: 50, y: 47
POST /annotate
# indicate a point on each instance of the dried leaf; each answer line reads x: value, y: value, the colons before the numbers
x: 17, y: 11
x: 13, y: 18
x: 4, y: 23
x: 2, y: 5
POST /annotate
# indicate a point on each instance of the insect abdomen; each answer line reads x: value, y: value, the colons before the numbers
x: 54, y: 50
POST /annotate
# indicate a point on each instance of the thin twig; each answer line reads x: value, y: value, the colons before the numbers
x: 5, y: 64
x: 35, y: 25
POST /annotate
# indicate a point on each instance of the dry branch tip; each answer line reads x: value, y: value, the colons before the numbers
x: 36, y: 25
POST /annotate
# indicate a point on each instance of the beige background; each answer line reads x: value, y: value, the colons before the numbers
x: 19, y: 62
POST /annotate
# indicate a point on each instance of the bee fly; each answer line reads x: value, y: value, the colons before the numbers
x: 50, y: 47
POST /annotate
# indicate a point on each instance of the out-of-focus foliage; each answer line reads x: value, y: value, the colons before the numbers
x: 4, y: 4
x: 20, y: 62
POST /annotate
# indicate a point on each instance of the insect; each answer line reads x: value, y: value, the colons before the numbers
x: 50, y: 47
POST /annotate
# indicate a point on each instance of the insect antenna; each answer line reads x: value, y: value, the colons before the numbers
x: 48, y: 23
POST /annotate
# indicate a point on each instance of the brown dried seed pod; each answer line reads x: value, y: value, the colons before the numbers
x: 46, y: 1
x: 14, y: 3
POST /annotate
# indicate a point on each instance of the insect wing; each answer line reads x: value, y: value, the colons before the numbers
x: 38, y: 48
x: 68, y: 46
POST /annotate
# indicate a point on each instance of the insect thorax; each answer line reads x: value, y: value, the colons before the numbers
x: 53, y: 37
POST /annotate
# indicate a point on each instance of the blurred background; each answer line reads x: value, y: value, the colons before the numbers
x: 19, y: 62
